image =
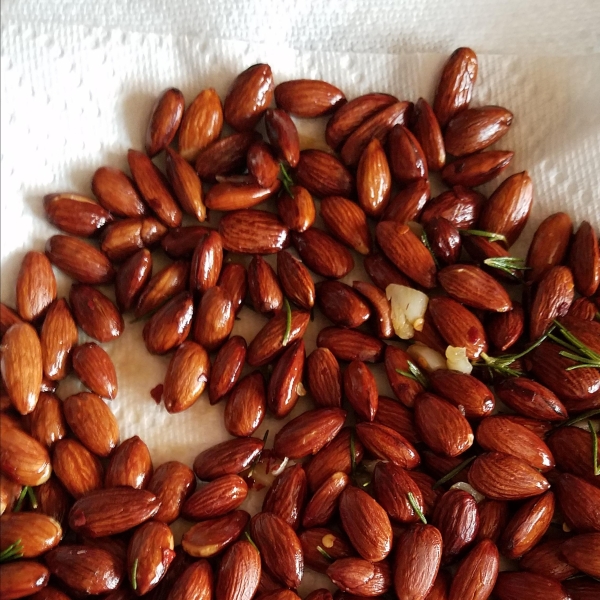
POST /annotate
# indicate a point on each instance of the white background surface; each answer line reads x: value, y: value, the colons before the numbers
x: 79, y: 78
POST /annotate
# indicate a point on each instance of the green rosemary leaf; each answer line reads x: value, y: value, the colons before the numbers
x: 454, y: 472
x: 12, y: 552
x: 492, y: 237
x: 251, y: 541
x: 32, y: 498
x: 508, y: 264
x: 586, y: 415
x: 21, y: 499
x: 286, y: 179
x: 416, y: 508
x: 427, y: 245
x: 576, y: 350
x: 134, y: 570
x: 327, y: 556
x: 414, y: 373
x: 594, y: 447
x: 288, y: 322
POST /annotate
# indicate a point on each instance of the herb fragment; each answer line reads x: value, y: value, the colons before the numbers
x: 288, y: 322
x: 20, y: 499
x: 134, y: 574
x: 491, y: 236
x: 414, y: 373
x: 427, y: 245
x: 286, y: 179
x: 12, y: 552
x: 454, y: 472
x: 594, y: 448
x: 325, y: 554
x: 251, y: 541
x: 580, y: 417
x: 508, y: 264
x: 576, y: 350
x: 416, y: 508
x: 259, y: 455
x: 352, y: 454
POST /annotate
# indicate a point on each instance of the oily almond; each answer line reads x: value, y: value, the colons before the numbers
x: 387, y: 444
x: 170, y: 325
x: 528, y: 586
x: 584, y: 309
x: 47, y: 422
x: 253, y: 232
x: 225, y: 156
x: 186, y: 377
x: 323, y: 504
x: 209, y: 537
x: 172, y: 483
x: 286, y: 496
x: 582, y: 552
x: 214, y: 319
x: 493, y: 517
x: 531, y: 399
x: 76, y: 468
x: 95, y: 313
x: 381, y: 315
x: 37, y: 533
x: 406, y: 251
x: 8, y: 317
x: 578, y: 500
x: 130, y: 465
x: 22, y: 578
x: 455, y: 87
x: 391, y: 485
x: 477, y: 573
x: 234, y: 282
x: 349, y: 344
x: 582, y: 588
x: 347, y: 221
x: 227, y: 196
x: 186, y: 185
x: 92, y: 422
x: 296, y: 210
x: 501, y: 476
x: 246, y: 405
x: 428, y: 133
x: 341, y: 304
x: 226, y: 368
x: 53, y: 500
x: 153, y: 187
x: 163, y: 286
x: 322, y: 174
x: 540, y: 428
x: 324, y: 378
x: 95, y: 369
x: 201, y: 124
x: 22, y: 367
x: 407, y: 160
x: 382, y: 272
x: 79, y: 260
x: 406, y: 389
x: 308, y: 97
x: 262, y: 165
x: 117, y: 194
x: 282, y: 391
x: 216, y: 498
x: 165, y: 119
x: 571, y: 449
x: 227, y: 458
x: 360, y: 577
x: 239, y: 572
x: 546, y: 559
x: 471, y: 286
x: 282, y: 132
x: 333, y: 542
x: 477, y: 169
x: 295, y: 280
x: 309, y: 432
x: 464, y: 391
x: 360, y: 389
x: 124, y: 238
x: 460, y: 205
x: 444, y: 240
x: 408, y: 203
x: 75, y: 214
x: 196, y: 578
x: 131, y: 279
x: 373, y: 179
x: 263, y: 285
x: 504, y: 329
x: 396, y: 416
x: 584, y: 259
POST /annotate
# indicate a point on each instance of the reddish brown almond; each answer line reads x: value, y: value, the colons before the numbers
x: 188, y: 579
x: 527, y: 526
x: 347, y: 222
x: 455, y: 87
x: 578, y: 501
x: 394, y: 415
x: 239, y: 572
x: 429, y: 135
x: 407, y: 252
x: 584, y: 259
x: 116, y: 193
x: 571, y: 449
x: 460, y: 205
x: 477, y: 573
x: 508, y: 208
x: 164, y: 121
x: 201, y: 124
x: 373, y: 179
x: 360, y: 577
x: 549, y: 245
x: 405, y: 388
x: 186, y: 377
x: 287, y: 496
x: 323, y: 505
x: 233, y: 280
x: 216, y: 498
x: 546, y: 559
x: 553, y: 298
x: 210, y: 537
x: 322, y: 174
x: 360, y: 388
x: 37, y: 533
x: 582, y: 588
x: 505, y: 329
x: 8, y: 317
x: 85, y: 570
x: 269, y: 341
x: 22, y: 578
x: 540, y: 428
x: 464, y: 391
x: 79, y: 260
x: 170, y: 325
x: 282, y: 393
x: 227, y: 458
x: 53, y: 500
x: 95, y: 369
x: 95, y: 313
x: 584, y: 309
x: 583, y: 552
x: 444, y: 240
x: 262, y: 165
x: 298, y: 211
x: 253, y: 232
x: 381, y: 315
x: 263, y: 286
x: 186, y: 185
x: 504, y: 477
x: 214, y: 319
x: 123, y: 239
x: 308, y: 97
x: 387, y: 444
x: 341, y: 304
x: 226, y: 368
x: 246, y: 406
x: 392, y: 485
x: 383, y: 272
x: 407, y: 160
x: 320, y: 594
x: 22, y: 367
x: 295, y: 280
x: 75, y: 214
x: 531, y: 399
x: 164, y: 285
x: 229, y: 196
x: 77, y: 468
x: 130, y: 465
x: 528, y: 586
x: 282, y: 132
x: 47, y: 422
x: 378, y: 126
x: 92, y: 422
x: 309, y: 432
x: 248, y: 97
x: 477, y: 169
x: 131, y: 279
x: 172, y: 483
x: 225, y: 156
x: 349, y: 345
x: 408, y: 203
x: 493, y: 517
x: 334, y: 543
x: 458, y: 326
x: 324, y: 378
x: 471, y: 286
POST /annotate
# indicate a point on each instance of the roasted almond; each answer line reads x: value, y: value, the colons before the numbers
x: 216, y: 498
x: 76, y: 468
x: 531, y: 399
x: 76, y: 214
x: 95, y: 313
x: 196, y: 578
x: 53, y: 500
x: 405, y: 388
x: 8, y: 317
x: 265, y: 292
x: 493, y: 517
x: 383, y: 272
x: 394, y: 415
x: 172, y: 483
x: 95, y: 369
x: 349, y: 344
x: 234, y: 281
x: 227, y: 458
x: 130, y: 465
x: 341, y: 304
x: 466, y: 392
x: 214, y: 318
x: 246, y: 405
x: 324, y: 378
x: 262, y: 165
x: 124, y: 238
x: 282, y: 132
x: 22, y: 578
x: 429, y: 135
x: 287, y: 495
x: 387, y: 444
x: 477, y: 573
x: 37, y: 533
x: 460, y: 205
x: 571, y: 449
x: 504, y: 329
x: 373, y: 179
x: 333, y: 542
x: 347, y: 222
x: 360, y: 577
x: 47, y: 422
x: 381, y: 315
x: 323, y: 504
x: 407, y: 160
x: 322, y: 174
x: 582, y: 552
x: 282, y: 391
x: 528, y: 586
x: 164, y: 121
x: 186, y: 185
x: 131, y: 279
x: 584, y: 259
x: 295, y: 280
x: 253, y: 232
x: 392, y: 485
x: 360, y: 388
x: 308, y: 97
x: 163, y: 286
x: 239, y: 572
x: 408, y: 203
x: 116, y: 193
x: 546, y: 559
x: 297, y: 211
x: 584, y: 309
x: 578, y: 501
x: 444, y: 240
x: 226, y: 368
x: 477, y: 169
x: 209, y: 537
x: 230, y: 196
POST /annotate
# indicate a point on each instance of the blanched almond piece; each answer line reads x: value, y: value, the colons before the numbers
x: 164, y: 121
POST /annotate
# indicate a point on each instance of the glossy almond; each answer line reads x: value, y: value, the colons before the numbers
x: 382, y: 272
x: 124, y: 238
x: 308, y: 97
x: 47, y: 423
x: 360, y: 388
x: 281, y: 130
x: 477, y: 169
x: 392, y: 484
x: 464, y: 391
x: 295, y: 280
x: 35, y: 287
x: 298, y: 211
x: 186, y: 377
x: 234, y: 281
x: 387, y: 444
x: 116, y: 193
x: 216, y: 498
x: 349, y: 344
x: 405, y: 388
x: 163, y: 286
x: 8, y: 317
x: 170, y: 325
x: 444, y: 240
x: 493, y: 517
x: 546, y: 559
x: 504, y: 329
x: 214, y: 318
x: 360, y: 577
x: 95, y: 313
x: 253, y: 232
x: 131, y: 279
x: 263, y: 286
x: 239, y: 572
x: 209, y: 537
x: 396, y: 416
x: 324, y: 378
x: 582, y: 551
x: 477, y: 573
x: 95, y: 369
x: 229, y: 196
x: 172, y: 483
x: 186, y: 185
x: 201, y: 124
x: 407, y: 160
x: 528, y: 586
x: 225, y: 156
x: 531, y: 399
x: 246, y: 405
x: 333, y: 542
x: 323, y: 504
x: 282, y: 392
x: 584, y: 259
x: 227, y: 458
x: 347, y: 221
x: 408, y: 203
x: 37, y: 533
x: 226, y: 368
x: 286, y: 496
x: 571, y: 449
x: 164, y: 121
x: 341, y: 304
x: 76, y: 468
x: 130, y: 465
x: 578, y: 501
x: 322, y: 174
x: 460, y: 205
x: 552, y: 299
x: 381, y: 316
x: 429, y: 135
x: 22, y: 578
x: 262, y: 165
x: 373, y: 179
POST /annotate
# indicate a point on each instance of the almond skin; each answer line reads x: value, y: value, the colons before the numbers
x: 444, y: 240
x: 408, y: 203
x: 54, y: 500
x: 246, y: 406
x: 95, y: 369
x: 360, y: 388
x: 214, y: 318
x: 123, y: 239
x: 322, y: 174
x: 239, y: 572
x: 36, y: 286
x: 282, y: 132
x: 581, y: 551
x: 287, y: 496
x: 21, y: 364
x: 164, y: 121
x: 464, y: 391
x: 349, y: 344
x: 225, y: 156
x: 455, y: 88
x: 322, y: 254
x: 429, y: 135
x: 226, y: 368
x: 477, y: 573
x: 170, y: 325
x: 297, y: 212
x: 324, y: 378
x: 578, y: 501
x: 584, y: 259
x: 47, y: 422
x: 531, y: 399
x: 210, y: 537
x: 347, y: 222
x: 227, y: 458
x: 95, y: 313
x: 216, y: 498
x: 503, y: 477
x: 130, y: 465
x: 234, y: 281
x: 202, y: 123
x: 262, y: 165
x: 295, y: 280
x: 22, y: 578
x: 22, y: 457
x: 229, y: 196
x: 249, y: 97
x: 323, y: 505
x: 131, y: 279
x: 263, y: 286
x: 477, y: 169
x: 529, y: 586
x: 381, y: 314
x: 186, y: 185
x: 460, y: 205
x: 37, y: 533
x: 359, y: 576
x: 341, y: 304
x: 163, y: 286
x: 387, y: 444
x: 76, y: 467
x: 186, y: 377
x: 172, y: 483
x: 282, y: 392
x: 253, y: 232
x: 407, y: 160
x: 308, y: 97
x: 373, y: 179
x: 505, y: 329
x: 117, y: 194
x: 392, y: 484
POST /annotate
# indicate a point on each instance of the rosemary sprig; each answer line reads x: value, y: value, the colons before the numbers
x: 251, y: 540
x: 26, y: 491
x: 576, y: 350
x: 325, y: 554
x: 594, y: 448
x: 352, y: 454
x: 508, y: 264
x: 286, y: 179
x: 416, y: 508
x: 259, y: 455
x: 134, y: 570
x: 580, y: 417
x: 288, y: 322
x: 12, y: 552
x: 414, y: 373
x: 32, y: 498
x: 491, y: 236
x: 427, y: 245
x: 454, y: 472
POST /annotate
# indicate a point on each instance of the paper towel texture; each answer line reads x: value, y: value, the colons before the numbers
x: 75, y: 97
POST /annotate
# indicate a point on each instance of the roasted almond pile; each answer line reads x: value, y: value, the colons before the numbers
x: 488, y: 449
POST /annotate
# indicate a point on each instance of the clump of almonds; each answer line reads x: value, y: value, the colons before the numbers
x: 419, y: 495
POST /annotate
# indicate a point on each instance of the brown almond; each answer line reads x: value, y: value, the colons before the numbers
x: 347, y: 222
x: 528, y: 586
x: 391, y: 485
x: 584, y: 259
x: 324, y: 378
x: 230, y: 196
x: 295, y: 280
x: 47, y: 423
x: 578, y: 501
x: 540, y: 428
x: 341, y: 304
x: 116, y: 193
x: 333, y: 542
x: 214, y: 319
x: 549, y: 245
x: 444, y: 240
x: 582, y: 588
x: 552, y: 299
x: 37, y: 533
x: 216, y: 498
x: 582, y: 551
x: 407, y: 160
x: 360, y: 389
x: 286, y: 496
x: 22, y: 578
x: 225, y: 156
x: 124, y: 238
x: 282, y: 391
x: 406, y: 389
x: 394, y: 415
x: 234, y: 281
x: 246, y: 405
x: 584, y: 309
x: 186, y: 377
x: 172, y: 483
x: 239, y: 572
x: 75, y: 214
x: 308, y: 97
x: 227, y: 458
x: 460, y: 205
x: 95, y: 369
x: 130, y: 465
x: 477, y: 573
x: 429, y: 135
x: 253, y: 232
x: 165, y: 119
x: 571, y: 449
x: 546, y: 559
x: 53, y: 500
x: 95, y: 313
x: 22, y: 369
x: 323, y: 505
x: 282, y: 132
x: 194, y: 581
x: 322, y: 174
x: 322, y: 254
x: 201, y: 124
x: 349, y: 344
x: 387, y: 444
x: 186, y: 185
x: 163, y: 286
x: 504, y: 329
x: 466, y: 392
x: 455, y: 87
x: 408, y: 203
x: 262, y: 165
x: 265, y: 292
x: 297, y: 211
x: 360, y: 577
x: 493, y: 517
x: 373, y: 179
x: 207, y: 538
x: 381, y: 315
x: 477, y: 169
x: 79, y: 260
x: 8, y: 317
x: 531, y: 399
x: 226, y: 368
x: 93, y: 423
x: 383, y: 272
x: 76, y: 468
x: 170, y: 325
x: 131, y: 279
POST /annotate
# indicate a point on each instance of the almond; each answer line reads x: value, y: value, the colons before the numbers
x: 186, y: 185
x: 295, y: 280
x: 164, y: 121
x: 582, y: 588
x: 172, y: 483
x: 116, y: 193
x: 341, y: 304
x: 455, y: 88
x: 95, y: 369
x: 477, y: 573
x: 571, y: 449
x: 349, y: 344
x: 460, y: 205
x: 8, y: 317
x: 79, y: 260
x: 54, y: 500
x: 360, y: 388
x: 383, y: 272
x: 47, y: 422
x: 239, y: 572
x: 322, y: 174
x: 334, y: 543
x: 253, y: 232
x: 405, y: 388
x: 407, y: 160
x: 130, y: 465
x: 540, y: 428
x: 226, y: 368
x: 408, y: 203
x: 234, y: 281
x: 229, y: 196
x: 324, y: 378
x: 246, y: 405
x: 505, y: 329
x: 170, y: 325
x: 225, y: 156
x: 186, y: 377
x: 373, y: 179
x: 195, y: 580
x: 76, y: 467
x: 381, y: 315
x: 308, y: 97
x: 439, y: 591
x: 216, y: 498
x: 298, y: 211
x: 387, y: 444
x: 347, y: 222
x: 21, y: 363
x: 22, y: 578
x: 429, y: 135
x: 286, y: 496
x: 282, y: 393
x: 583, y: 551
x: 578, y: 501
x: 281, y: 130
x: 404, y: 249
x: 444, y: 240
x: 584, y: 309
x: 214, y: 319
x: 477, y: 169
x: 131, y: 279
x: 202, y: 123
x: 531, y: 399
x: 466, y: 392
x: 584, y: 258
x: 546, y: 559
x: 360, y: 577
x: 263, y: 286
x: 163, y: 286
x: 528, y: 586
x: 504, y: 477
x: 248, y: 97
x: 262, y: 165
x: 37, y: 533
x: 391, y: 485
x: 123, y: 239
x: 95, y: 313
x: 75, y: 214
x: 323, y: 505
x: 394, y: 415
x: 227, y: 458
x: 210, y: 537
x: 493, y: 517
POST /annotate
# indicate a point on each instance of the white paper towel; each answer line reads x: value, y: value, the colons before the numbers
x: 77, y: 91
